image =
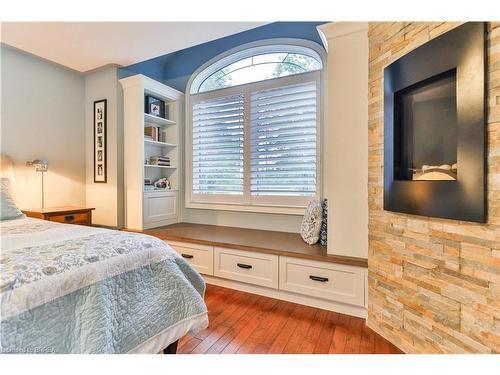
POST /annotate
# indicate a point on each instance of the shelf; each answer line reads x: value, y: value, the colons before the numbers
x: 161, y: 144
x: 160, y: 190
x: 157, y: 120
x: 159, y: 166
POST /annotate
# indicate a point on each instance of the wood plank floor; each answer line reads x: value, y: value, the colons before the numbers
x: 247, y: 323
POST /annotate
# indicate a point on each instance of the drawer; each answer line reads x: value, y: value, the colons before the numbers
x: 76, y: 218
x: 329, y: 281
x: 246, y: 266
x: 200, y: 257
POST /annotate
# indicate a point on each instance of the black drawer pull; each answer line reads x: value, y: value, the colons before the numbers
x: 245, y: 266
x: 69, y: 217
x: 187, y: 256
x: 319, y: 278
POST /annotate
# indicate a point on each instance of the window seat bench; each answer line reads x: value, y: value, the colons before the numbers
x: 274, y: 264
x: 264, y: 241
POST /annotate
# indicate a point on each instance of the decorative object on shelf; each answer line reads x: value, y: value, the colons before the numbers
x: 162, y: 183
x: 311, y: 223
x: 100, y: 141
x: 41, y: 166
x: 324, y: 223
x: 148, y: 184
x: 154, y: 106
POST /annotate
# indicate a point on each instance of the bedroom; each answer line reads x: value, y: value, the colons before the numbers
x: 294, y: 187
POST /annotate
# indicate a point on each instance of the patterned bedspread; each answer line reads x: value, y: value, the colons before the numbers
x: 75, y: 289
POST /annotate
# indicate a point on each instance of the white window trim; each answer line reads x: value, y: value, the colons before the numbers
x: 271, y: 204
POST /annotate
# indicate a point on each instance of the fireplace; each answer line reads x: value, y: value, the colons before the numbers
x: 434, y: 128
x: 426, y: 130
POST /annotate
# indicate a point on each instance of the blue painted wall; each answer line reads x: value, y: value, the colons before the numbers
x: 176, y: 68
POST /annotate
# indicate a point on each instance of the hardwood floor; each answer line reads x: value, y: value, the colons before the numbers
x: 247, y: 323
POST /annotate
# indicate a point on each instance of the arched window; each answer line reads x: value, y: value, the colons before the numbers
x: 253, y: 128
x: 256, y: 64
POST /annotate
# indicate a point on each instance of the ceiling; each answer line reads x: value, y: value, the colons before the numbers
x: 84, y: 46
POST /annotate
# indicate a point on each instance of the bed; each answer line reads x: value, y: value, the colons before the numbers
x: 75, y: 289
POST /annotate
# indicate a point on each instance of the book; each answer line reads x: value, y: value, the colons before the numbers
x: 158, y: 134
x: 149, y: 131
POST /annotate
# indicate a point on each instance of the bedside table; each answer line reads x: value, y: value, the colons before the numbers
x: 65, y: 214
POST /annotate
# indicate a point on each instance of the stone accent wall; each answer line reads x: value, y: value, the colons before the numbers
x: 434, y: 284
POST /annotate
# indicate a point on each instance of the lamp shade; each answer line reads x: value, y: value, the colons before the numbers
x: 39, y: 164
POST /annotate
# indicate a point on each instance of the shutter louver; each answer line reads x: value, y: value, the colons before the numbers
x: 283, y: 141
x: 217, y: 152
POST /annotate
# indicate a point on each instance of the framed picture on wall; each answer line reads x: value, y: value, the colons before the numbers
x: 100, y: 141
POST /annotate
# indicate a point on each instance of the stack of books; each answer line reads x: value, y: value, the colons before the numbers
x: 160, y: 160
x: 153, y: 133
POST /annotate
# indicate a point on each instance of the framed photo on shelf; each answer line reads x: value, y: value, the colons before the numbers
x: 154, y: 106
x: 100, y: 152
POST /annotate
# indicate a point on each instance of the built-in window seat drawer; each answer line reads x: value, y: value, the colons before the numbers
x: 335, y: 282
x: 246, y: 266
x: 201, y: 257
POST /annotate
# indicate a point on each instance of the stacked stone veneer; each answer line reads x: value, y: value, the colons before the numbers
x: 434, y: 284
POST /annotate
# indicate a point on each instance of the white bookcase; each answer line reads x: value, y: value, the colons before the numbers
x: 149, y: 209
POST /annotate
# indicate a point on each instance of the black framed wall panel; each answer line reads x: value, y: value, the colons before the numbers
x: 462, y: 52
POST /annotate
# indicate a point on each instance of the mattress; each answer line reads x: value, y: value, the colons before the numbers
x: 75, y: 289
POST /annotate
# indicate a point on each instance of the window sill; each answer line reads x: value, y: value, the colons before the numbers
x: 283, y: 210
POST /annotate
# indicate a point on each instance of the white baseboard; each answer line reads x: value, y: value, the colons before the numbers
x: 342, y: 308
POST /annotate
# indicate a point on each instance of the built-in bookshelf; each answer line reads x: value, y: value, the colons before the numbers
x: 151, y: 119
x: 159, y: 166
x: 159, y: 144
x: 151, y: 153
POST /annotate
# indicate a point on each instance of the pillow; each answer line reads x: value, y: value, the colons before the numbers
x: 311, y: 223
x: 8, y: 209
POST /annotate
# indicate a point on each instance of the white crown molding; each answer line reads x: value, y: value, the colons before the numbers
x: 149, y: 84
x: 335, y: 30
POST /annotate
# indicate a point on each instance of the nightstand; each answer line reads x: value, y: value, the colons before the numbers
x: 65, y: 214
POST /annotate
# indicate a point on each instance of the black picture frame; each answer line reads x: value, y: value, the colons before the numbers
x: 151, y: 103
x: 461, y: 49
x: 100, y: 141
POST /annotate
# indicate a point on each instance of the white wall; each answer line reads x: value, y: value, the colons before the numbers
x: 346, y: 138
x: 106, y: 198
x: 42, y: 116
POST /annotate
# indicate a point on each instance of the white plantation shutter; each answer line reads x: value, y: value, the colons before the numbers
x: 283, y: 141
x: 217, y: 146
